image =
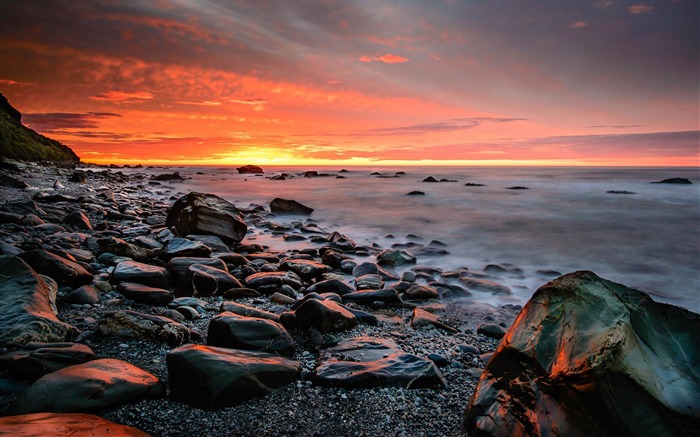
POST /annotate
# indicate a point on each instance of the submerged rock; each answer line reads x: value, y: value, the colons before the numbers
x: 587, y: 356
x: 288, y: 206
x: 681, y: 181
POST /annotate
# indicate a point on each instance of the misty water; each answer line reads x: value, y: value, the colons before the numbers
x: 564, y: 221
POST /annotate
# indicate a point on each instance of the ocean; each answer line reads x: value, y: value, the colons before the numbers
x: 648, y: 238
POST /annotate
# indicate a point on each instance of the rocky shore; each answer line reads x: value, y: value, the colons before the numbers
x: 128, y: 306
x: 104, y: 239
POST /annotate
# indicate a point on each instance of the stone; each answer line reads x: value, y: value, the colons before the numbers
x: 326, y: 316
x: 87, y: 387
x: 368, y: 268
x: 201, y: 280
x: 62, y: 270
x: 681, y: 181
x: 146, y: 274
x: 330, y: 286
x: 366, y: 297
x: 250, y: 333
x: 288, y: 206
x: 415, y: 193
x: 248, y: 311
x: 87, y: 294
x: 65, y: 424
x: 240, y: 293
x: 78, y: 177
x: 391, y: 257
x: 132, y: 324
x: 144, y: 294
x: 369, y: 282
x: 587, y: 356
x: 282, y: 299
x: 491, y: 330
x: 12, y: 182
x: 37, y: 359
x: 27, y: 307
x: 178, y: 266
x: 78, y: 220
x: 430, y: 179
x: 340, y: 241
x: 250, y: 169
x: 423, y: 318
x: 478, y: 284
x: 124, y: 249
x: 366, y: 362
x: 201, y: 213
x: 174, y: 176
x: 212, y: 378
x: 213, y: 242
x: 182, y: 247
x: 277, y: 279
x: 306, y: 269
x: 419, y: 291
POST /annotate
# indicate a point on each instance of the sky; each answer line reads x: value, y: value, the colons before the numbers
x: 217, y: 82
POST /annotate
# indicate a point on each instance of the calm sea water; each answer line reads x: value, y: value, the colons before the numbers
x: 565, y: 221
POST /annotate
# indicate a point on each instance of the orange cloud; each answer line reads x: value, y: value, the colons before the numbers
x: 387, y: 59
x: 639, y: 9
x: 578, y: 25
x: 124, y: 97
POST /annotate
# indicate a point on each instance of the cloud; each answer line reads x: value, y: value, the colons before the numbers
x: 14, y: 82
x: 443, y: 126
x: 59, y: 121
x: 204, y: 103
x: 257, y: 104
x: 620, y: 126
x: 639, y: 8
x: 603, y: 4
x: 387, y: 59
x: 578, y: 25
x: 124, y: 97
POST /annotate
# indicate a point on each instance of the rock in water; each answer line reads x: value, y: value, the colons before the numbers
x: 682, y: 181
x: 67, y: 424
x: 250, y: 169
x: 201, y: 213
x: 286, y: 206
x: 587, y: 356
x: 211, y: 378
x: 26, y: 302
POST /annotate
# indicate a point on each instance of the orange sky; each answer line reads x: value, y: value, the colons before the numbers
x: 343, y: 83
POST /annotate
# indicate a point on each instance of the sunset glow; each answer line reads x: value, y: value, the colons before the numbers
x: 358, y: 83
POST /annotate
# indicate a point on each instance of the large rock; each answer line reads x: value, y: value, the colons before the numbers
x: 87, y: 387
x: 257, y: 280
x: 144, y: 294
x: 478, y: 284
x: 587, y: 356
x: 201, y: 280
x: 251, y: 333
x: 35, y: 360
x: 325, y: 315
x: 248, y: 311
x: 62, y: 270
x: 366, y: 362
x: 132, y: 324
x: 391, y: 257
x: 288, y: 206
x: 182, y: 247
x: 211, y: 378
x: 146, y: 274
x: 250, y: 169
x: 201, y: 213
x: 27, y: 306
x: 64, y: 425
x: 306, y: 269
x: 178, y: 266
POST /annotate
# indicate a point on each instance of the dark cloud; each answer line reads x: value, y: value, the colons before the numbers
x: 444, y: 126
x: 57, y: 121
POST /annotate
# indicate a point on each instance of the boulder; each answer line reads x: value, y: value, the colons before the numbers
x: 478, y: 284
x: 35, y: 360
x: 251, y: 333
x: 326, y: 316
x: 366, y: 362
x: 420, y: 291
x: 681, y: 181
x: 369, y: 282
x: 61, y: 270
x: 132, y: 324
x: 391, y: 257
x: 276, y: 279
x: 211, y: 378
x: 65, y: 425
x: 423, y: 318
x: 182, y: 247
x: 250, y: 169
x: 87, y: 294
x: 340, y: 241
x: 79, y: 220
x: 128, y: 250
x: 201, y: 280
x: 366, y: 297
x: 587, y: 356
x: 306, y: 269
x: 287, y: 206
x: 146, y: 274
x: 78, y: 177
x: 27, y: 306
x: 87, y: 387
x: 178, y: 266
x: 12, y: 182
x: 330, y: 286
x: 144, y: 294
x: 201, y: 213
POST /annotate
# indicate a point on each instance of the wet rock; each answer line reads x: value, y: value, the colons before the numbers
x: 430, y: 179
x: 87, y: 387
x: 420, y: 291
x: 214, y: 243
x: 132, y: 271
x: 391, y: 257
x: 201, y: 280
x: 369, y: 282
x: 36, y: 359
x: 330, y: 286
x: 288, y: 206
x: 12, y: 182
x: 240, y: 293
x: 179, y: 265
x: 306, y: 269
x: 276, y: 279
x: 87, y: 294
x: 122, y: 248
x: 78, y: 177
x: 144, y: 294
x: 620, y: 192
x: 132, y: 324
x: 175, y: 176
x: 211, y: 378
x: 27, y: 307
x: 250, y: 333
x: 248, y: 311
x: 366, y: 297
x: 250, y: 169
x: 517, y: 188
x: 62, y: 270
x: 65, y: 424
x: 478, y: 284
x: 681, y: 181
x: 201, y: 213
x: 79, y: 220
x: 415, y: 193
x: 373, y: 269
x: 473, y: 184
x: 589, y: 356
x: 326, y: 316
x: 423, y: 318
x: 491, y: 330
x: 366, y: 362
x: 182, y: 247
x: 340, y: 241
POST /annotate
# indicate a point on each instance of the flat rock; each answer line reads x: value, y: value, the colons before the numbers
x: 392, y: 257
x: 35, y: 360
x: 201, y: 213
x: 288, y: 206
x: 182, y: 247
x: 587, y: 356
x: 250, y: 333
x: 144, y: 294
x: 366, y: 362
x: 248, y: 311
x: 202, y: 280
x: 681, y: 181
x: 65, y: 425
x: 27, y: 307
x: 420, y: 291
x: 132, y: 324
x: 424, y: 318
x: 385, y: 295
x: 330, y: 286
x: 277, y: 279
x: 211, y: 378
x: 87, y: 387
x: 178, y: 266
x: 146, y: 274
x: 62, y: 270
x: 326, y: 316
x: 306, y: 269
x: 485, y: 285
